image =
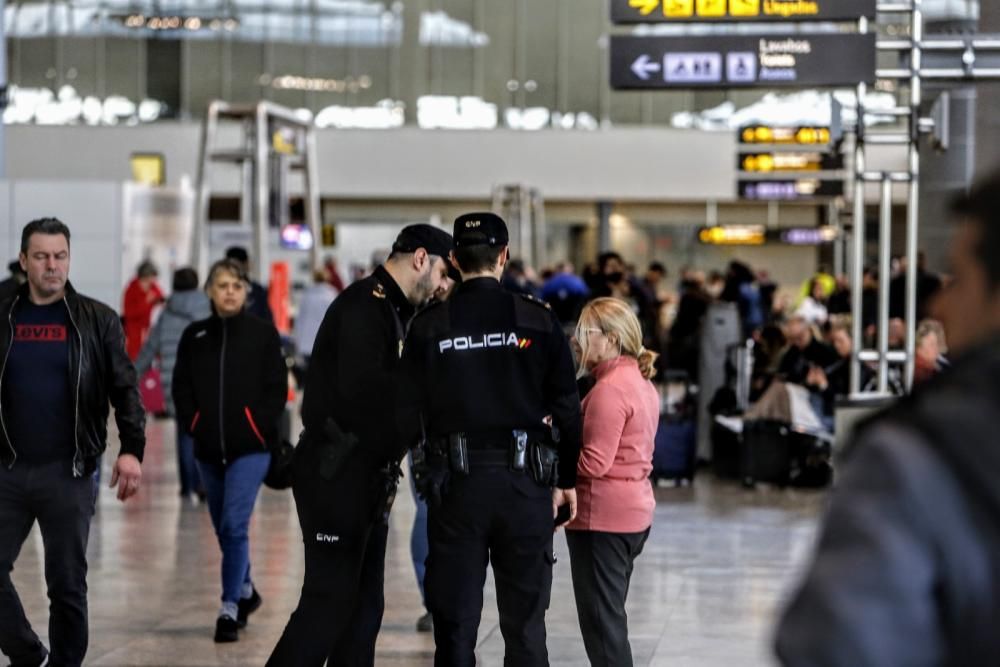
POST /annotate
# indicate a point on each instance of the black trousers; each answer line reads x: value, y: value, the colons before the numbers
x: 602, y: 568
x: 63, y: 506
x: 340, y: 609
x: 492, y: 515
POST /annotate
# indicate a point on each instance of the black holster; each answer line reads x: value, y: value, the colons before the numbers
x: 334, y: 448
x: 544, y: 464
x: 431, y: 471
x: 386, y: 482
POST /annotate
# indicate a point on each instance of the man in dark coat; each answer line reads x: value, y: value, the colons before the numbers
x: 906, y: 570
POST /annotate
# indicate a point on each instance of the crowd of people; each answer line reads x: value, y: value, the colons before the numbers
x: 455, y: 357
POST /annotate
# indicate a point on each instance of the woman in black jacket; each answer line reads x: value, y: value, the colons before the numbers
x: 229, y: 387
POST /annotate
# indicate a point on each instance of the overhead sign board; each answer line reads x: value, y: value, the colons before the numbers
x: 742, y: 61
x: 757, y: 235
x: 798, y: 135
x: 800, y: 189
x: 785, y: 161
x: 738, y: 11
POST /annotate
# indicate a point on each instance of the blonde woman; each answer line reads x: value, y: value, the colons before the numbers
x: 614, y: 497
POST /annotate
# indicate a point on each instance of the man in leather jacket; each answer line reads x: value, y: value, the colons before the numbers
x: 63, y: 360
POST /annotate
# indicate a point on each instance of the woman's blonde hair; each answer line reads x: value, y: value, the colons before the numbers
x: 616, y: 321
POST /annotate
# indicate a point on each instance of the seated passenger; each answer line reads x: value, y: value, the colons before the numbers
x: 813, y: 308
x: 805, y: 350
x: 931, y: 350
x: 834, y: 380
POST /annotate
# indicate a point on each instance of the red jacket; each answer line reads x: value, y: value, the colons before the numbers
x: 620, y: 416
x: 137, y: 312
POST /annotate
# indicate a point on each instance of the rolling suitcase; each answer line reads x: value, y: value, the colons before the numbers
x: 765, y: 454
x: 675, y: 448
x: 151, y: 393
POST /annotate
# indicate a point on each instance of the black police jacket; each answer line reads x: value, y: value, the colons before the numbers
x: 488, y: 361
x: 352, y: 371
x: 101, y: 372
x: 230, y: 385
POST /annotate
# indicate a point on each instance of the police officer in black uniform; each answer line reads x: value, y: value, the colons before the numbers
x: 492, y: 371
x: 347, y: 463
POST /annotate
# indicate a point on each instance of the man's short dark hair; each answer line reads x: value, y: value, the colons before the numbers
x: 606, y: 258
x: 185, y: 279
x: 239, y: 253
x: 42, y: 226
x: 982, y: 208
x: 478, y: 258
x: 658, y: 267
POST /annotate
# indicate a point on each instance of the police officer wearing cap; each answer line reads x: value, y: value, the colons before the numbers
x: 492, y: 378
x: 347, y: 462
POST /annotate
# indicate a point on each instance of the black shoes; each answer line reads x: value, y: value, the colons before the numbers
x: 226, y: 630
x: 247, y: 607
x: 425, y: 623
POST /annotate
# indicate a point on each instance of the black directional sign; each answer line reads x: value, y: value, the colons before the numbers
x: 742, y: 61
x: 788, y: 161
x: 802, y: 189
x: 738, y: 11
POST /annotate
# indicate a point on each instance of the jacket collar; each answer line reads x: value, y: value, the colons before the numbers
x: 70, y: 295
x: 485, y: 283
x: 608, y: 366
x: 235, y: 319
x: 394, y: 293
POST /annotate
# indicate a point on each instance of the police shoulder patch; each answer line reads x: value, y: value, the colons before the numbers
x: 535, y: 300
x: 533, y: 313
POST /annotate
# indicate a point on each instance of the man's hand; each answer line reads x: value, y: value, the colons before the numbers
x: 564, y: 497
x: 128, y: 471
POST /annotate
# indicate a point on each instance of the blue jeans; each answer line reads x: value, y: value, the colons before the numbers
x: 232, y: 491
x: 187, y: 470
x: 419, y: 547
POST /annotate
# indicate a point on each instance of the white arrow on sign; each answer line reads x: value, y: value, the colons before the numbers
x: 643, y: 66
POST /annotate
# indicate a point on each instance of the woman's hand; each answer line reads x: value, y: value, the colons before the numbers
x: 562, y: 497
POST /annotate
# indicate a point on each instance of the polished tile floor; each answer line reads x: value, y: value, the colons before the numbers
x: 704, y: 592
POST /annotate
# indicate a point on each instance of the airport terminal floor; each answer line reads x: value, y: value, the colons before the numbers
x: 704, y: 592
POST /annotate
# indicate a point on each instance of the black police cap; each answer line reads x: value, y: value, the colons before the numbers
x: 435, y: 241
x: 480, y: 229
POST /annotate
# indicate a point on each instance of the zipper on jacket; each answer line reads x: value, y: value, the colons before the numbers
x: 3, y: 370
x: 222, y: 369
x: 79, y: 376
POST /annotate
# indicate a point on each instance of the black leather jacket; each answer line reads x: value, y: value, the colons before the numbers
x: 101, y: 372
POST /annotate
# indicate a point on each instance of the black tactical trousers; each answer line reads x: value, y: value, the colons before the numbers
x: 340, y: 610
x: 499, y: 517
x: 63, y: 505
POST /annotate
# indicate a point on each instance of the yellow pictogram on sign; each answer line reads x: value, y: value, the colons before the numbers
x: 645, y: 7
x: 744, y: 7
x: 711, y: 8
x: 678, y: 9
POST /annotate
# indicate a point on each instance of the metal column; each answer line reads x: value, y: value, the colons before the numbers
x: 603, y: 227
x: 254, y: 158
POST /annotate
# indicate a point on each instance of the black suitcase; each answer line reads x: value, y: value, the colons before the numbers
x: 726, y: 446
x: 765, y: 453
